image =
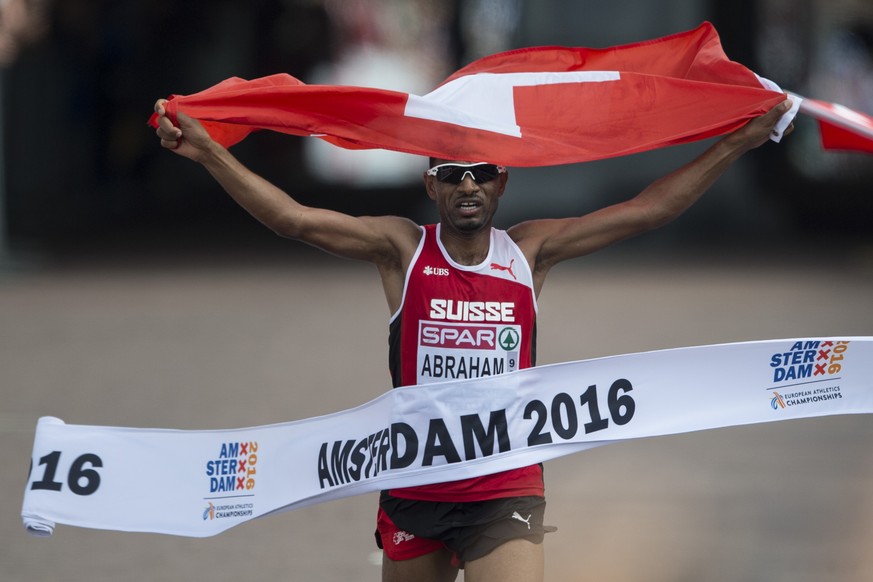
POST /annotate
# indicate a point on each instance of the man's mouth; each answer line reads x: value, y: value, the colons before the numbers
x: 468, y: 206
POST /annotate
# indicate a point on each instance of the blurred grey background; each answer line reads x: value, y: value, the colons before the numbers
x: 133, y: 292
x: 81, y: 172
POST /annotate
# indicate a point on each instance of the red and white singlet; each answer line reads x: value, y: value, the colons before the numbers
x: 457, y: 321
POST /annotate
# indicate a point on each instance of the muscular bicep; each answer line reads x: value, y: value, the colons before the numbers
x: 376, y: 239
x: 550, y: 241
x: 389, y: 242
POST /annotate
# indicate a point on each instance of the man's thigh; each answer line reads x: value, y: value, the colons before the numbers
x: 517, y: 560
x: 433, y: 567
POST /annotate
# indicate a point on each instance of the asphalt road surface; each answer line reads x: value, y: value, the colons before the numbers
x: 204, y: 342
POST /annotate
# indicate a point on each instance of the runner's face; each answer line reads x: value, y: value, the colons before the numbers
x: 468, y: 206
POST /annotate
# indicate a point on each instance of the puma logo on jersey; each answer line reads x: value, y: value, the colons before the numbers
x: 496, y: 267
x: 438, y: 271
x: 517, y: 515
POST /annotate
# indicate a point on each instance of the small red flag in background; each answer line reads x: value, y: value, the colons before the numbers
x: 841, y: 128
x: 529, y: 107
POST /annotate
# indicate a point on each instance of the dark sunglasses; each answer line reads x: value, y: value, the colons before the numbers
x: 455, y: 173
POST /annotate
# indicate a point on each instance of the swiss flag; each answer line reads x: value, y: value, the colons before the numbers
x: 529, y: 107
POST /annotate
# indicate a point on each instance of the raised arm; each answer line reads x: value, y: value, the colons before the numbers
x: 548, y: 242
x: 386, y: 241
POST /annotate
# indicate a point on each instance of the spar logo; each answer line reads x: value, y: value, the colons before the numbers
x: 508, y: 338
x: 810, y: 360
x: 454, y: 336
x: 235, y: 468
x: 469, y: 337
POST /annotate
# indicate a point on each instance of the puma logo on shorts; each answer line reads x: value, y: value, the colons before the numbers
x: 517, y: 515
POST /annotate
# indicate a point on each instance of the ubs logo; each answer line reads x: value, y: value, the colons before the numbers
x: 438, y: 271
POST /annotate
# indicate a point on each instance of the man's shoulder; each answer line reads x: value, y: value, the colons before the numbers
x: 393, y: 223
x: 403, y: 232
x: 527, y: 229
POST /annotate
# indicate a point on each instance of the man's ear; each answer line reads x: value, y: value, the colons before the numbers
x: 504, y: 178
x: 429, y: 186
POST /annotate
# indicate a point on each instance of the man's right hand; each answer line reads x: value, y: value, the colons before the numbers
x: 758, y: 131
x: 188, y: 139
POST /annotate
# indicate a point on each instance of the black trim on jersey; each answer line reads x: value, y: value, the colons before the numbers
x: 533, y: 343
x: 395, y: 362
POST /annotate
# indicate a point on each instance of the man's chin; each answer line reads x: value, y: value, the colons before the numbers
x: 469, y: 225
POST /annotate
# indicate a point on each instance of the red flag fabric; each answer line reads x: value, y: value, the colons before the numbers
x: 529, y: 107
x: 841, y: 128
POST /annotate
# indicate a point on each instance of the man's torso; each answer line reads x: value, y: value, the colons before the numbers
x: 459, y: 322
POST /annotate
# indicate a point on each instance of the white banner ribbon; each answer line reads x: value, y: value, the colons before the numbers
x: 200, y: 483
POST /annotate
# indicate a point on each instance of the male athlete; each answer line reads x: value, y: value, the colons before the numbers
x: 462, y: 280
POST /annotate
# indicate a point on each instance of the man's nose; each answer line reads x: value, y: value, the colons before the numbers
x: 468, y: 183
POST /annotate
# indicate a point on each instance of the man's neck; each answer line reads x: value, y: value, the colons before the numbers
x: 466, y: 248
